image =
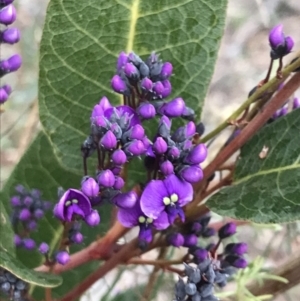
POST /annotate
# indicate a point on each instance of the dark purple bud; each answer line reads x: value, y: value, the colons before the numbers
x: 166, y: 70
x: 119, y: 85
x: 164, y: 126
x: 24, y: 214
x: 190, y: 240
x: 197, y: 155
x: 8, y: 15
x: 44, y: 248
x: 14, y: 62
x: 93, y: 219
x: 5, y: 2
x: 15, y: 201
x: 160, y: 146
x: 236, y: 248
x: 137, y: 132
x: 289, y: 44
x: 38, y: 213
x: 191, y: 174
x: 158, y: 88
x: 175, y: 239
x: 28, y: 243
x: 174, y: 152
x: 200, y: 254
x: 144, y: 70
x: 174, y: 108
x: 106, y: 178
x: 118, y: 157
x: 17, y: 240
x: 31, y: 225
x: 190, y: 289
x: 296, y: 103
x: 200, y: 128
x: 196, y: 228
x: 167, y: 168
x: 276, y: 36
x: 116, y: 170
x: 135, y: 59
x: 188, y: 114
x: 145, y: 235
x: 122, y: 60
x: 3, y: 95
x: 190, y: 129
x: 146, y: 110
x: 146, y: 84
x: 125, y: 200
x: 47, y: 205
x: 167, y: 88
x: 119, y: 183
x: 109, y: 140
x: 236, y: 261
x: 135, y: 148
x: 10, y: 36
x: 76, y: 238
x: 90, y: 187
x: 227, y: 230
x: 131, y: 71
x: 28, y: 201
x: 208, y: 232
x: 62, y: 257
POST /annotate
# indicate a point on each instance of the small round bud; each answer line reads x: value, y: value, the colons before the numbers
x: 175, y: 239
x: 190, y: 240
x: 135, y: 148
x: 24, y: 214
x: 119, y: 85
x: 118, y: 157
x: 32, y: 225
x: 167, y: 168
x: 137, y: 132
x: 3, y: 94
x: 190, y: 289
x: 131, y: 71
x: 227, y: 230
x: 109, y: 140
x: 14, y: 62
x: 62, y: 257
x: 158, y: 88
x: 146, y: 84
x: 38, y: 213
x: 5, y: 287
x: 167, y: 88
x: 200, y: 254
x: 236, y: 261
x: 146, y: 110
x: 15, y: 201
x: 236, y: 248
x: 28, y: 201
x: 160, y: 146
x: 191, y: 174
x: 166, y: 70
x: 197, y: 155
x: 122, y: 60
x: 90, y: 187
x: 119, y: 183
x: 276, y: 36
x: 17, y: 240
x: 93, y: 219
x: 106, y: 178
x: 174, y: 108
x: 28, y: 243
x: 20, y: 285
x: 44, y: 248
x: 76, y: 238
x: 10, y: 36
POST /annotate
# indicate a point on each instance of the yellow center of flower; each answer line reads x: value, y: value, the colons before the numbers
x: 174, y: 198
x: 167, y: 201
x: 68, y: 203
x: 149, y: 220
x: 142, y: 219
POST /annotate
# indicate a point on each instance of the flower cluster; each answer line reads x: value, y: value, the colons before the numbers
x: 27, y: 209
x: 171, y: 158
x: 9, y: 36
x: 12, y: 286
x: 206, y: 267
x: 280, y: 44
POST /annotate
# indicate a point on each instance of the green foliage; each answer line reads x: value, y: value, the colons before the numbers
x: 81, y: 42
x: 11, y: 264
x: 265, y: 190
x: 6, y: 231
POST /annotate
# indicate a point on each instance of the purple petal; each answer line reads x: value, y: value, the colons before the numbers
x: 73, y: 209
x: 130, y: 217
x: 152, y: 198
x: 184, y: 190
x: 162, y: 222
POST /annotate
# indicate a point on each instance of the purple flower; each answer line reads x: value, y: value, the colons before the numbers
x: 124, y: 112
x: 135, y: 217
x: 158, y: 88
x: 72, y: 203
x: 167, y: 88
x: 160, y: 146
x: 134, y: 148
x: 167, y: 196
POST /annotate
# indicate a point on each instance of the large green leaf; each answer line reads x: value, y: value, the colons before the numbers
x: 266, y: 190
x: 6, y: 231
x: 40, y: 169
x: 10, y: 263
x: 80, y: 44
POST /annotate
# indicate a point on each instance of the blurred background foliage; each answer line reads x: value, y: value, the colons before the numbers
x: 242, y: 62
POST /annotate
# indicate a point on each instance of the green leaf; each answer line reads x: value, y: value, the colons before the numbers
x: 40, y: 169
x: 11, y: 264
x: 80, y: 44
x: 6, y: 231
x: 266, y: 190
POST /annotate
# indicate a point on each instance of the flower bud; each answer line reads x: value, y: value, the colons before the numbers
x: 105, y: 104
x: 200, y: 128
x: 38, y: 213
x: 76, y: 237
x: 175, y: 239
x: 10, y: 36
x: 158, y: 88
x: 119, y: 183
x: 167, y: 88
x: 17, y: 240
x: 8, y: 15
x: 160, y: 146
x: 44, y: 248
x: 188, y: 114
x: 89, y: 187
x: 197, y: 155
x: 3, y: 94
x: 208, y: 232
x: 14, y: 62
x: 135, y: 59
x: 144, y: 70
x: 135, y: 148
x: 166, y: 70
x: 296, y: 103
x: 200, y: 254
x: 24, y: 214
x: 190, y: 240
x: 164, y: 127
x: 146, y: 84
x: 167, y: 168
x: 97, y: 111
x: 196, y: 228
x: 93, y: 219
x: 28, y: 201
x: 191, y: 174
x: 122, y: 60
x: 227, y: 230
x: 236, y: 261
x: 15, y: 201
x: 31, y: 225
x: 62, y: 257
x: 289, y: 42
x: 137, y: 132
x: 28, y: 243
x: 125, y: 200
x: 276, y: 36
x: 236, y: 248
x: 146, y: 110
x: 106, y: 178
x: 174, y: 108
x: 119, y: 85
x: 174, y: 152
x: 131, y: 71
x: 109, y: 140
x: 116, y: 170
x: 118, y: 157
